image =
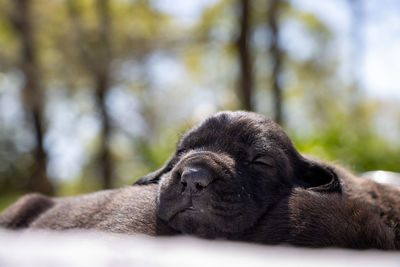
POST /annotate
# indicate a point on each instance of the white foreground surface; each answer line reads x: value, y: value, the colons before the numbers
x: 99, y: 249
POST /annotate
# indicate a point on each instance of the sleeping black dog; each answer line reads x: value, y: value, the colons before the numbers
x: 235, y: 176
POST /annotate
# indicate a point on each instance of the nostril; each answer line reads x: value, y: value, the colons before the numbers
x: 184, y: 184
x: 199, y: 186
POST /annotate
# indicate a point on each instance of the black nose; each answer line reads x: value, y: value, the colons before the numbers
x: 195, y: 179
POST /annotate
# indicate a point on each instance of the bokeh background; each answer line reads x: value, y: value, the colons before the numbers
x: 95, y: 93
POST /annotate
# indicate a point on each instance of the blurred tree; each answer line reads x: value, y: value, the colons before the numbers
x: 102, y: 77
x: 119, y: 57
x: 33, y: 95
x: 245, y: 59
x: 97, y: 60
x: 276, y: 58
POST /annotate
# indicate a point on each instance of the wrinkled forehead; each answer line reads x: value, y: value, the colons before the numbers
x: 233, y: 129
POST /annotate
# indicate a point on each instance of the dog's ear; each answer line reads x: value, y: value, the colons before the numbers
x: 154, y: 177
x: 319, y: 176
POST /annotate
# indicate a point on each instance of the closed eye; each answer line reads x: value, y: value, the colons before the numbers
x: 263, y: 160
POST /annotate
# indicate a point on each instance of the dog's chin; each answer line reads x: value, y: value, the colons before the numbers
x: 194, y: 222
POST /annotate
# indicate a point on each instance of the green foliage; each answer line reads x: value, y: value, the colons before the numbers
x: 8, y: 199
x: 360, y: 149
x: 155, y: 153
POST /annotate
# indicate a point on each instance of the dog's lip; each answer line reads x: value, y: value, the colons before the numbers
x: 182, y: 210
x: 185, y: 209
x: 168, y: 212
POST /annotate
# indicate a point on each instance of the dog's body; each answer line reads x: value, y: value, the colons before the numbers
x: 319, y: 220
x: 381, y: 199
x: 125, y: 210
x: 235, y: 176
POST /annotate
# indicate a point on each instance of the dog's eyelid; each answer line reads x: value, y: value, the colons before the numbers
x: 264, y: 160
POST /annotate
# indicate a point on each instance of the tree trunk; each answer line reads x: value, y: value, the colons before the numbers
x: 243, y: 44
x: 276, y: 59
x: 97, y: 62
x: 105, y: 158
x: 102, y: 80
x: 33, y: 96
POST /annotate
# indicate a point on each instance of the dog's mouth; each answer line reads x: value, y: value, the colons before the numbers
x: 170, y: 208
x: 191, y: 208
x: 183, y: 210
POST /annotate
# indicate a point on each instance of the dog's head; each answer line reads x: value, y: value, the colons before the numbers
x: 228, y: 171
